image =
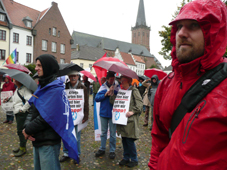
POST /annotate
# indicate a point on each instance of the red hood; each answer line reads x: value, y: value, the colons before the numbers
x: 211, y: 16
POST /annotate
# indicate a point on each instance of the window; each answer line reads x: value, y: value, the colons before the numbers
x: 2, y: 17
x: 62, y: 61
x: 2, y: 54
x: 44, y: 45
x: 54, y: 47
x: 134, y: 34
x: 15, y: 38
x: 58, y: 33
x: 143, y: 33
x: 82, y: 65
x: 62, y: 50
x: 29, y: 40
x: 29, y: 24
x: 17, y: 56
x: 28, y: 57
x: 147, y: 35
x: 138, y: 33
x: 54, y: 31
x: 50, y: 31
x: 2, y: 35
x: 90, y: 66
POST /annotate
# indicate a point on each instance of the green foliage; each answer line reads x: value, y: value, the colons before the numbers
x: 154, y: 66
x: 166, y: 32
x: 31, y: 67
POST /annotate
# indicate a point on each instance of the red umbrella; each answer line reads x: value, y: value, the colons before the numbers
x: 88, y: 74
x: 101, y: 72
x: 18, y: 67
x: 117, y: 67
x: 150, y: 72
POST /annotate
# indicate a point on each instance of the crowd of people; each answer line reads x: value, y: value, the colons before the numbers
x: 188, y: 118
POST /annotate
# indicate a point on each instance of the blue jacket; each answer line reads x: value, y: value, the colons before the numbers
x: 105, y: 106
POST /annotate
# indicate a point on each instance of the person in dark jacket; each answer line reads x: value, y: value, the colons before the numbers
x: 76, y: 84
x: 109, y: 88
x: 151, y: 93
x: 46, y: 142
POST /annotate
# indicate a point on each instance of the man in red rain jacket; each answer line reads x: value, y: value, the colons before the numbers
x: 198, y: 143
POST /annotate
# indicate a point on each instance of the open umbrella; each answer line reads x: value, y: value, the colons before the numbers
x: 65, y: 68
x: 117, y: 67
x: 102, y: 72
x: 88, y: 74
x: 17, y: 67
x: 150, y: 72
x: 22, y: 77
x: 143, y: 77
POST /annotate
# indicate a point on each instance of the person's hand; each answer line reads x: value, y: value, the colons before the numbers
x: 25, y: 134
x: 128, y: 114
x: 111, y: 88
x: 5, y: 100
x: 31, y: 138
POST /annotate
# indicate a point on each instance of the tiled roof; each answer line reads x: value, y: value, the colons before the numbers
x: 109, y: 44
x: 17, y: 12
x: 127, y: 58
x: 141, y: 20
x: 3, y: 23
x: 138, y: 59
x: 87, y: 53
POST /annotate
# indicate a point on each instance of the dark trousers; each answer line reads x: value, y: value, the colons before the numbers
x: 129, y: 149
x: 20, y: 118
x: 9, y: 117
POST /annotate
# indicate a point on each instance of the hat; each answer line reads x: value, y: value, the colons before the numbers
x: 110, y: 74
x: 73, y: 73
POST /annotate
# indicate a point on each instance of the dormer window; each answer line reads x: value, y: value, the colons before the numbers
x: 2, y: 17
x: 29, y: 24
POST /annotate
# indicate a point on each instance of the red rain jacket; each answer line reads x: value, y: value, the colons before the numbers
x: 198, y: 143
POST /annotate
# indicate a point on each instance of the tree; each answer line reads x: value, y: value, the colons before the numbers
x: 31, y: 67
x: 165, y: 34
x: 154, y: 66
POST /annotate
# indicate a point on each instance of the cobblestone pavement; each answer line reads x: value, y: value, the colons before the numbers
x: 9, y: 140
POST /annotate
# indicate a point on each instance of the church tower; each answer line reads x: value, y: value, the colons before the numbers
x: 141, y: 32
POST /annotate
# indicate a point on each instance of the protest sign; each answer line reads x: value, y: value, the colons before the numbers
x: 6, y: 107
x: 76, y: 101
x: 121, y: 107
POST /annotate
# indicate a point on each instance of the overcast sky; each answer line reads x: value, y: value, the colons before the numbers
x: 113, y: 18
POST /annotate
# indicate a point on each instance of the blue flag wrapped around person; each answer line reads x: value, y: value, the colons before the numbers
x: 53, y: 105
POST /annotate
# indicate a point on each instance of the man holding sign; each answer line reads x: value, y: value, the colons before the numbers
x: 127, y: 106
x: 106, y: 90
x: 76, y: 84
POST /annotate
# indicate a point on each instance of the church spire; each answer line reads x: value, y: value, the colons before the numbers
x: 141, y: 20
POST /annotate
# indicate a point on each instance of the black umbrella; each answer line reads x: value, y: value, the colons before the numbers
x: 143, y: 77
x: 22, y: 77
x: 65, y: 68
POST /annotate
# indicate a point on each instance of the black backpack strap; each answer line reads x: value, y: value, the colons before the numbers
x: 23, y: 100
x: 197, y: 92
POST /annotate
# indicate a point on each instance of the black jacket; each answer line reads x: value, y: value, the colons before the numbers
x: 37, y: 127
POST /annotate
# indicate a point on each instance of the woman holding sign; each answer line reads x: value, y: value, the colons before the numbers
x: 130, y: 132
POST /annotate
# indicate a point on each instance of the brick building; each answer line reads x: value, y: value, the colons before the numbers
x: 51, y: 35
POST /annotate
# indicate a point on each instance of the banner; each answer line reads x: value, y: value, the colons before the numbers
x: 121, y: 107
x: 9, y: 105
x: 76, y: 101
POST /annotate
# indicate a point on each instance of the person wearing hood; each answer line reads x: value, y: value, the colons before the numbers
x: 8, y: 86
x: 199, y: 142
x: 152, y: 87
x: 49, y: 120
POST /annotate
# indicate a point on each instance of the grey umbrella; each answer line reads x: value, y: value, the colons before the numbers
x: 65, y: 68
x: 22, y: 77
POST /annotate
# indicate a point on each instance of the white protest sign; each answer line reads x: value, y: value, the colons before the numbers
x: 9, y: 105
x: 76, y: 101
x: 121, y: 107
